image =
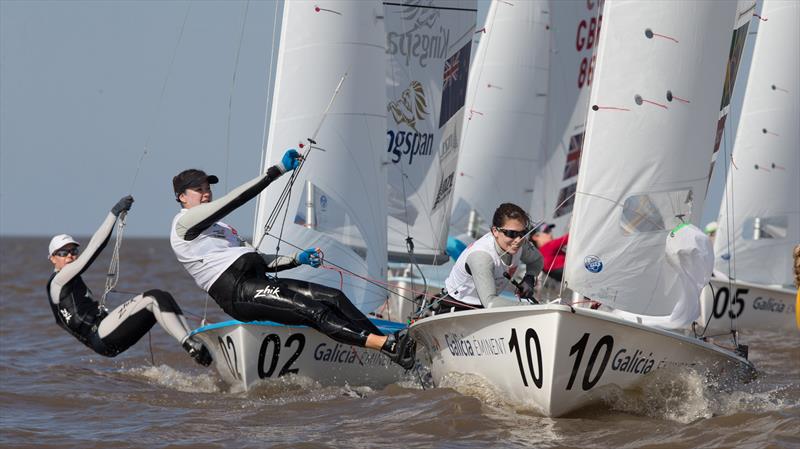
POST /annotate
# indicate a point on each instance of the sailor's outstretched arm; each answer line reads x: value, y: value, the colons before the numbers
x: 279, y: 263
x: 88, y: 255
x: 200, y: 217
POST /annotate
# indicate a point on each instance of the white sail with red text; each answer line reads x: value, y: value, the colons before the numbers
x: 659, y: 70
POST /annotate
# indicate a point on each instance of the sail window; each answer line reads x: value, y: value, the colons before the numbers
x: 659, y: 211
x: 760, y: 228
x: 322, y: 212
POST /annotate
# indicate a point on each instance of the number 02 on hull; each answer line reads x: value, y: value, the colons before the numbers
x: 247, y: 353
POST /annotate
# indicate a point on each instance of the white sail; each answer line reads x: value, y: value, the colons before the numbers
x: 428, y: 47
x: 760, y: 210
x: 339, y: 200
x: 575, y: 30
x: 501, y: 152
x: 655, y: 99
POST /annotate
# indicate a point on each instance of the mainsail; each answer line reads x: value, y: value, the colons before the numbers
x: 504, y: 119
x: 339, y: 200
x: 659, y: 70
x: 575, y: 30
x: 760, y: 211
x: 428, y: 48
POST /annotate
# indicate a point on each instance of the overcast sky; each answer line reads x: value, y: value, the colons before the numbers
x: 81, y: 95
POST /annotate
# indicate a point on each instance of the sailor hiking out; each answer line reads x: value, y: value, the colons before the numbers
x: 239, y: 278
x: 483, y: 270
x: 109, y: 333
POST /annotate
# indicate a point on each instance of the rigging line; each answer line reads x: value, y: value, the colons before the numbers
x: 364, y: 278
x: 230, y: 94
x: 112, y: 277
x: 146, y: 147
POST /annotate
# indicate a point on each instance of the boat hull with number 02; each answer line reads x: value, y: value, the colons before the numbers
x: 557, y: 358
x: 248, y: 353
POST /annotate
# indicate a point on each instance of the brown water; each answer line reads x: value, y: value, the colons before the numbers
x: 54, y: 392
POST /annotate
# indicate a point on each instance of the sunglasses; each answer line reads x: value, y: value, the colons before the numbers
x: 512, y: 234
x: 66, y: 252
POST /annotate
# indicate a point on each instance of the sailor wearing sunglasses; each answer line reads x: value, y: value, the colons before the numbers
x: 109, y: 333
x: 484, y: 269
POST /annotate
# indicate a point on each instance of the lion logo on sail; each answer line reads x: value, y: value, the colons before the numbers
x: 410, y: 107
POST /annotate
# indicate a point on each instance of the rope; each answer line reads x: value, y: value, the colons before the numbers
x: 113, y: 269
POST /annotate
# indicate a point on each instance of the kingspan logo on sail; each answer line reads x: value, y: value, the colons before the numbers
x: 410, y: 109
x: 420, y: 42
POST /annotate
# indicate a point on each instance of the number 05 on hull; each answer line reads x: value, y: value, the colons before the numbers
x: 558, y: 359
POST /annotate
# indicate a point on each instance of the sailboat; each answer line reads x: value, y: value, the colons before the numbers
x: 340, y: 202
x: 643, y: 177
x: 760, y: 212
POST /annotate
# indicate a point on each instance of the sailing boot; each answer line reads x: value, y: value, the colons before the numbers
x: 401, y: 348
x: 198, y: 352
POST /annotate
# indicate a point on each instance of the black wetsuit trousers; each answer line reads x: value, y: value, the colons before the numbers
x: 245, y: 292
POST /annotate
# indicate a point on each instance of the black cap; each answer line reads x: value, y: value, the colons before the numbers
x: 191, y: 178
x: 543, y: 227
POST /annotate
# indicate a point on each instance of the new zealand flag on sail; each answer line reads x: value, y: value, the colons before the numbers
x: 454, y: 86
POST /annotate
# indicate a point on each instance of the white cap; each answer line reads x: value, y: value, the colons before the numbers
x: 59, y: 241
x: 711, y: 227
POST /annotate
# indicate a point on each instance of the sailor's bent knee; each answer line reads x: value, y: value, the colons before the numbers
x: 165, y: 301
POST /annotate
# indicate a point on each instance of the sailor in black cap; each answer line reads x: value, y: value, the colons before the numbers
x: 236, y: 275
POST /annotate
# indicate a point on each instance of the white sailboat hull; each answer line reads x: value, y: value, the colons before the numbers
x: 752, y: 307
x: 247, y: 353
x: 558, y: 359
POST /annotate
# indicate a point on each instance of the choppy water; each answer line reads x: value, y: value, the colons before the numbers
x: 54, y: 392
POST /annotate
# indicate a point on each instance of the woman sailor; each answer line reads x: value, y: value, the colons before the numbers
x: 112, y: 333
x: 236, y: 275
x: 486, y: 267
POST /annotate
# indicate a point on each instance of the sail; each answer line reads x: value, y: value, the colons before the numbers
x: 760, y: 211
x: 504, y: 119
x: 644, y: 166
x: 428, y: 48
x: 575, y: 29
x: 338, y: 202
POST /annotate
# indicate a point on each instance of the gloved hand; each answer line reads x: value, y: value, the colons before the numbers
x: 290, y: 160
x: 526, y: 286
x: 311, y: 256
x: 124, y: 204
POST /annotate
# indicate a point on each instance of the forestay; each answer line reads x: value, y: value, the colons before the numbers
x: 339, y: 200
x: 760, y: 211
x: 644, y: 169
x: 428, y: 48
x: 504, y: 118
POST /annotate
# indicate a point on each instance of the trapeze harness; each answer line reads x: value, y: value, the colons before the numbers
x: 235, y: 274
x: 108, y: 334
